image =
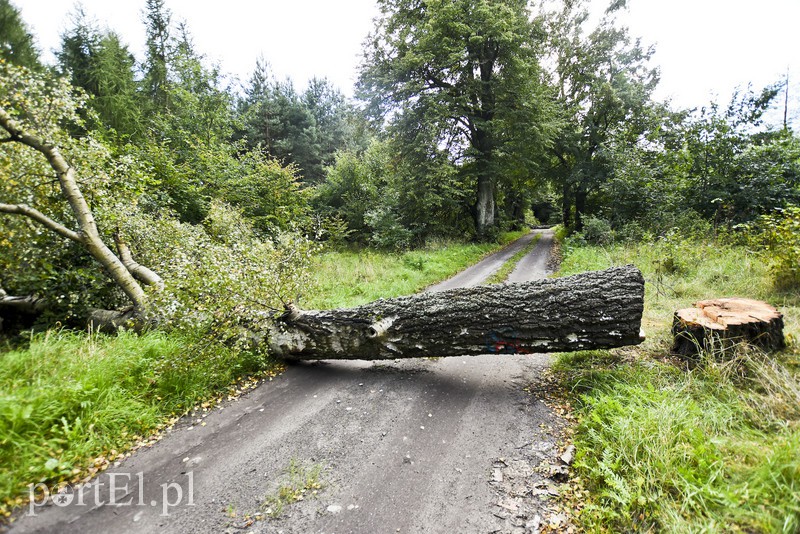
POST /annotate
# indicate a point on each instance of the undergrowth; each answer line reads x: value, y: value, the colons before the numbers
x: 71, y: 402
x: 668, y: 447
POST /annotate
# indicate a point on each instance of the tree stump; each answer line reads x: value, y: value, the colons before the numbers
x: 717, y: 324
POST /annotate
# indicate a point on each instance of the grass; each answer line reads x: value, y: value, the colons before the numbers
x: 299, y: 482
x: 353, y: 277
x: 714, y: 448
x: 72, y: 403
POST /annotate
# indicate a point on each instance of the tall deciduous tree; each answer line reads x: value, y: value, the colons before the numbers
x: 604, y: 85
x: 464, y: 76
x: 735, y: 170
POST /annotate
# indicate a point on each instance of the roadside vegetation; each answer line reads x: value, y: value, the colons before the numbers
x: 72, y: 403
x: 667, y: 445
x: 345, y: 278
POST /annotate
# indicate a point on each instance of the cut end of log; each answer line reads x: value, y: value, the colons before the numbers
x: 716, y: 324
x: 292, y: 313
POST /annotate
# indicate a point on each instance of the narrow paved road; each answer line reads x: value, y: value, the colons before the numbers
x: 447, y: 445
x: 481, y: 271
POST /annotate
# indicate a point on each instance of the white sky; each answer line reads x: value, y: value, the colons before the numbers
x: 704, y: 47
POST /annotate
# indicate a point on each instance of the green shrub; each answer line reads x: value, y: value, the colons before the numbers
x: 597, y: 231
x: 781, y: 235
x: 387, y: 230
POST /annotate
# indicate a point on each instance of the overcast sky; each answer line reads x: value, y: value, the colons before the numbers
x: 704, y: 47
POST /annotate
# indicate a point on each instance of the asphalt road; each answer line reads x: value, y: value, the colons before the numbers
x: 430, y: 445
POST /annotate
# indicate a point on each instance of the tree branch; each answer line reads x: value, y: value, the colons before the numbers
x: 38, y: 216
x: 140, y: 272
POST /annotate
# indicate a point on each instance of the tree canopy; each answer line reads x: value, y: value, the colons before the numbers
x: 461, y: 78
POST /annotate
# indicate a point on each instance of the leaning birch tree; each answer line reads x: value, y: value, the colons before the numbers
x: 40, y: 182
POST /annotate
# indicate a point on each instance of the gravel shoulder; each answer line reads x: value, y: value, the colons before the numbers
x: 428, y: 445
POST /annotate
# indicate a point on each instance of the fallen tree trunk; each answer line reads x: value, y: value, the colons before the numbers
x: 19, y: 312
x: 594, y: 310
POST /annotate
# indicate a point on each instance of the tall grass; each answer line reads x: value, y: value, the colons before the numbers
x: 665, y: 448
x: 679, y: 272
x: 72, y: 402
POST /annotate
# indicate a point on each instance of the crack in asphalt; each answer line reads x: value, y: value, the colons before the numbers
x: 426, y: 445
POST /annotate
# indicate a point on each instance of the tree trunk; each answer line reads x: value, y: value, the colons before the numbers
x: 566, y: 205
x: 593, y: 310
x: 19, y: 312
x: 716, y: 325
x: 580, y: 207
x: 484, y: 206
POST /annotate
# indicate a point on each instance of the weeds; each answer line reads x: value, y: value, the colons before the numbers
x: 298, y: 483
x: 662, y: 447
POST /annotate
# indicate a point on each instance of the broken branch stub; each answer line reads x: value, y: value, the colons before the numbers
x: 594, y: 310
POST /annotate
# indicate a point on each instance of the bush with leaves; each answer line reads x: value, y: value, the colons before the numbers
x: 780, y: 232
x: 353, y: 187
x: 217, y: 273
x: 271, y: 196
x: 597, y: 231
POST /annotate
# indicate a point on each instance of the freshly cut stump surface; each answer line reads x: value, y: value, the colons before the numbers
x: 716, y: 324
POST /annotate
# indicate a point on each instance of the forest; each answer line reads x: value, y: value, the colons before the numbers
x: 158, y: 197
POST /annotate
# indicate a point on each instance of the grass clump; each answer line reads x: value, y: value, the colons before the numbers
x: 664, y: 448
x: 299, y: 482
x: 70, y: 403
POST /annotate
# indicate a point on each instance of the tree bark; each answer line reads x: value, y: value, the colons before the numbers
x: 19, y: 311
x: 716, y: 325
x: 580, y: 207
x: 484, y: 206
x: 593, y: 310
